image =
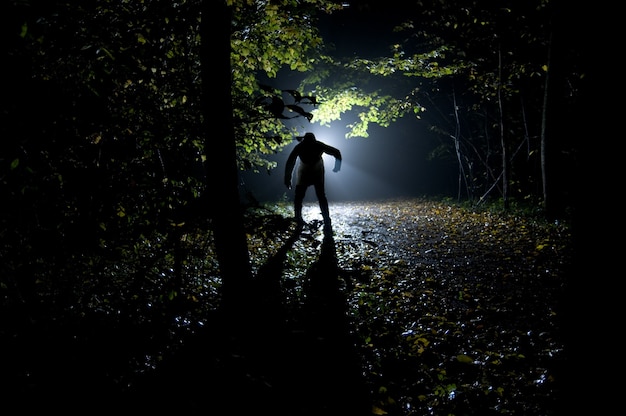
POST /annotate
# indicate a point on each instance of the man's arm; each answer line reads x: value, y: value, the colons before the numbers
x: 337, y: 167
x: 333, y: 151
x: 291, y: 162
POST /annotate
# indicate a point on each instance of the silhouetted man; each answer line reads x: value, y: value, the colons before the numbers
x: 310, y: 171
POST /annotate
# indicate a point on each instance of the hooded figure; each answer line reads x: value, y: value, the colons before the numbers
x: 310, y: 171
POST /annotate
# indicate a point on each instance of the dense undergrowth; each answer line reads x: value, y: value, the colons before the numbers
x: 438, y: 309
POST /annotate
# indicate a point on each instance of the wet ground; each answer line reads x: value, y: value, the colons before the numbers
x: 409, y: 307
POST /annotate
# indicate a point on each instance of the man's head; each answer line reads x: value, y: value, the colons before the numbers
x: 309, y: 137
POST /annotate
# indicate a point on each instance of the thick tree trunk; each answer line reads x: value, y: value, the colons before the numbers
x: 221, y: 166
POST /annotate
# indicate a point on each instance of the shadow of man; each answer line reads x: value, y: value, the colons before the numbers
x: 325, y: 305
x: 305, y: 353
x: 268, y: 287
x: 299, y: 360
x: 333, y: 367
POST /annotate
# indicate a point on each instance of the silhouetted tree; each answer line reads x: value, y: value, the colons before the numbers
x: 222, y: 172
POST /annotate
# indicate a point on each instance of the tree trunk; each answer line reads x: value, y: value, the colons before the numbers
x: 547, y: 203
x: 505, y: 155
x: 231, y: 245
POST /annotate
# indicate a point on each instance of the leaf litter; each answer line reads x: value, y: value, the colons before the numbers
x: 411, y: 307
x: 454, y: 311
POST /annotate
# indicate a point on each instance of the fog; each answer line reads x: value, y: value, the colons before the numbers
x: 392, y: 163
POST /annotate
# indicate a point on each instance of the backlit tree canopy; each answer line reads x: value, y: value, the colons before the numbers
x: 115, y: 87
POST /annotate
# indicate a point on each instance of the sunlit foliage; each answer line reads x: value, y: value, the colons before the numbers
x: 476, y: 73
x: 103, y: 182
x: 269, y: 37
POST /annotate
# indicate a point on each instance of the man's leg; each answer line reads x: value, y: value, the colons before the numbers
x: 300, y: 191
x: 323, y: 202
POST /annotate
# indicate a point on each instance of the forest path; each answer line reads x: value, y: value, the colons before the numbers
x: 411, y: 307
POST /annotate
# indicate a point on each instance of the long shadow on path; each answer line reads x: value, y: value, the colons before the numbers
x: 308, y: 352
x: 286, y: 360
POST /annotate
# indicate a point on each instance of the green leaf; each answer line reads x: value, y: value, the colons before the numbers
x: 462, y: 358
